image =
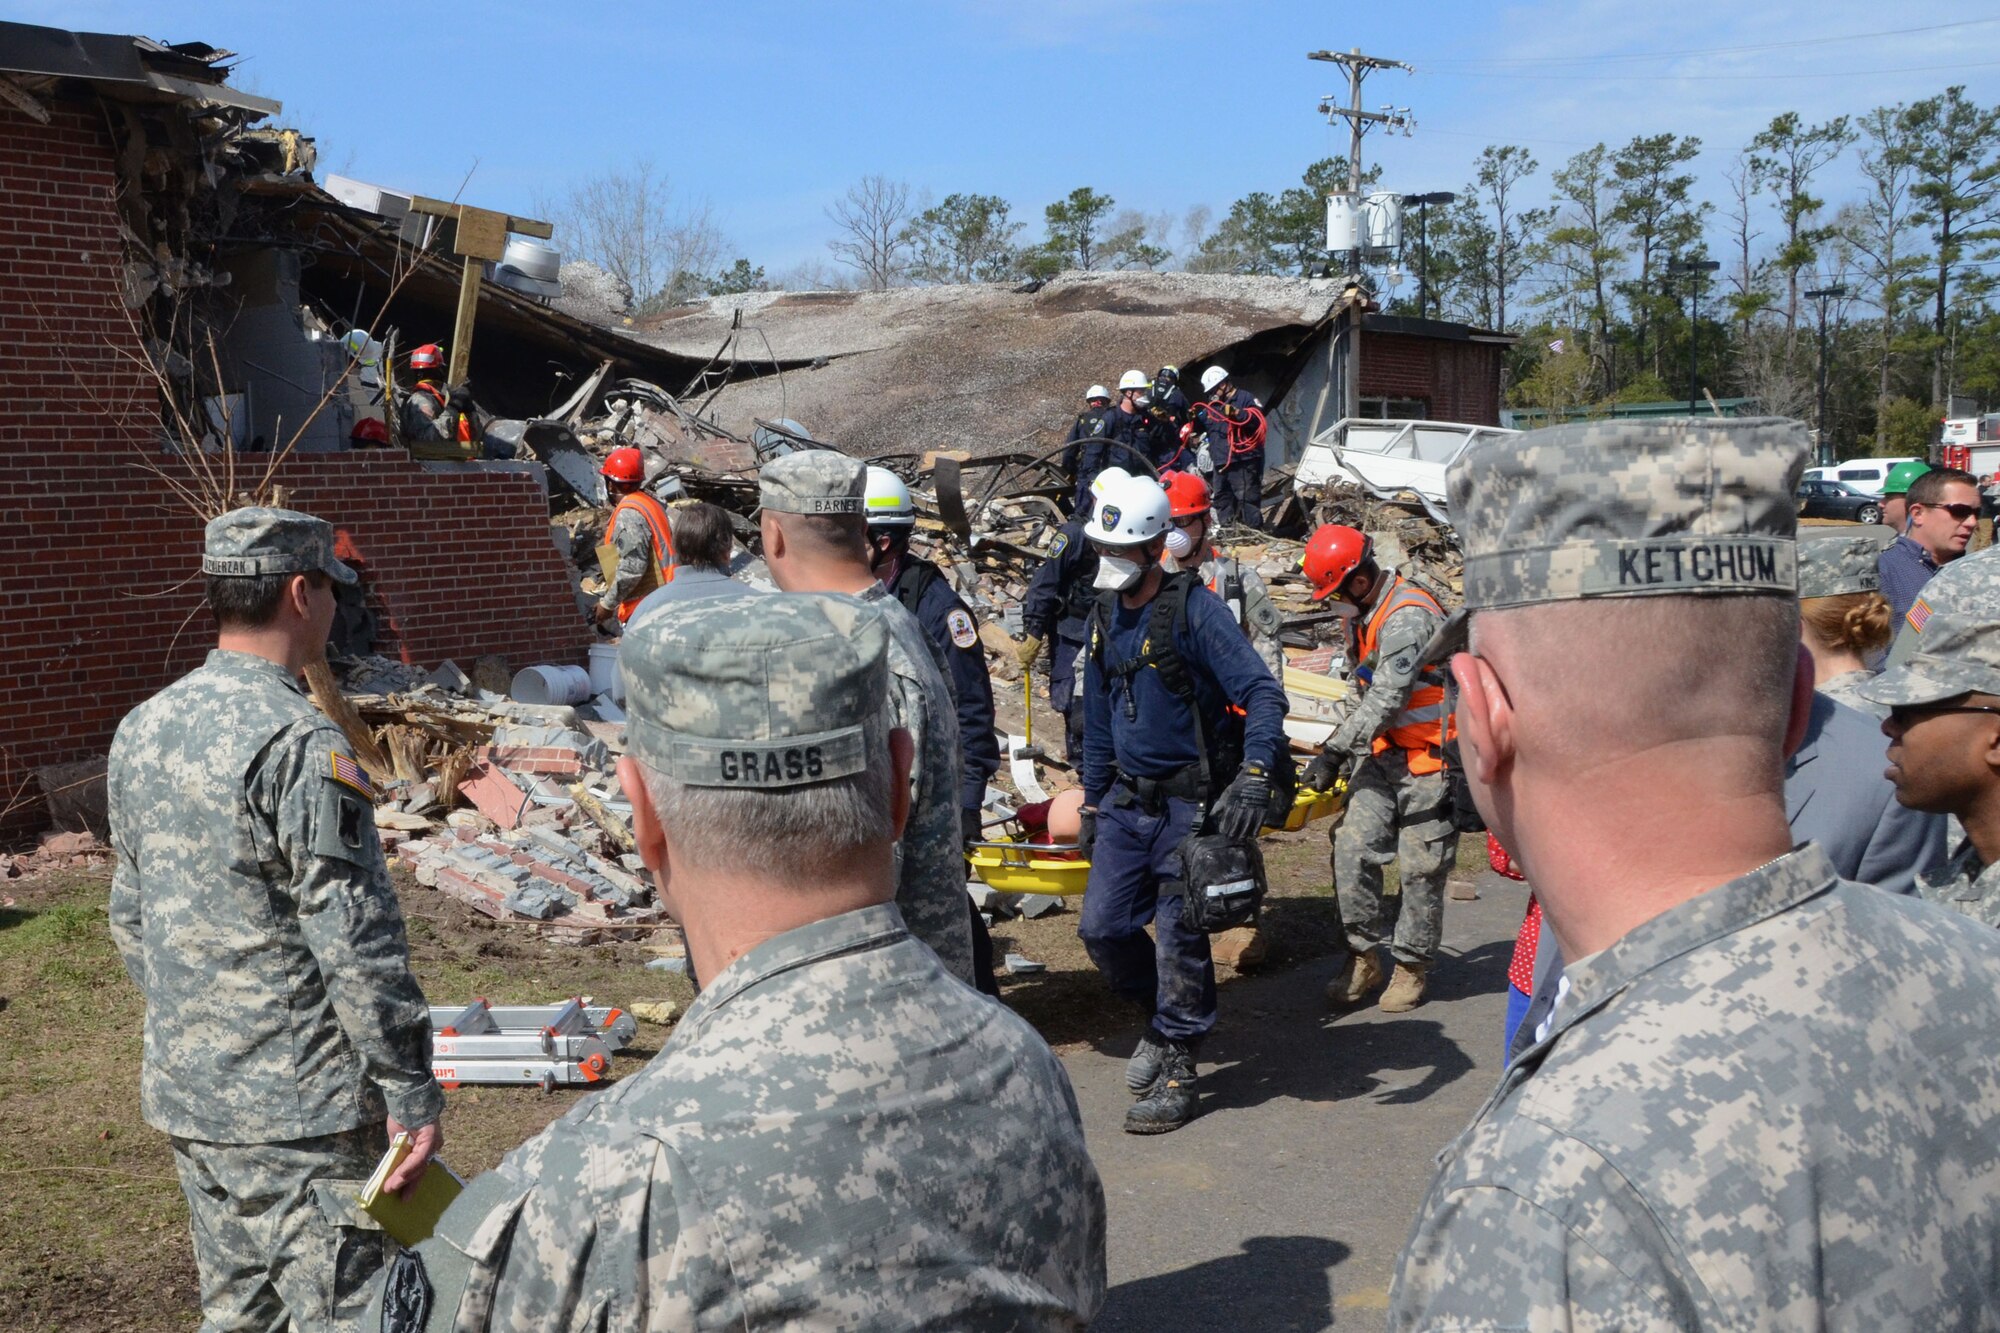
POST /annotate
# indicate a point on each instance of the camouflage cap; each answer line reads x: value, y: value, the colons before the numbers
x: 1629, y: 509
x: 257, y: 540
x: 1954, y: 631
x: 1833, y: 561
x: 813, y: 481
x: 767, y: 692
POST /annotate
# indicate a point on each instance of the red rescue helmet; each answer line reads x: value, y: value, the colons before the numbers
x: 428, y: 357
x: 1187, y: 494
x: 626, y: 465
x: 1332, y: 553
x: 369, y: 430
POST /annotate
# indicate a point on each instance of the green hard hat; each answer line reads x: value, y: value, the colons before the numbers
x: 1901, y: 475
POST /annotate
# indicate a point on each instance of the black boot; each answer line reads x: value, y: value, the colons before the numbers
x: 1143, y: 1069
x: 1171, y: 1101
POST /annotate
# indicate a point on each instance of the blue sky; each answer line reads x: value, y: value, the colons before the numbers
x: 768, y: 110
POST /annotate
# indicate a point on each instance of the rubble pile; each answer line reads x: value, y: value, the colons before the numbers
x: 511, y: 808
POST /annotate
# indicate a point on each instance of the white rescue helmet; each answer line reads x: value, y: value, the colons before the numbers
x: 1133, y: 379
x: 1211, y: 377
x: 1105, y: 480
x: 1096, y: 391
x: 886, y: 500
x: 1130, y: 512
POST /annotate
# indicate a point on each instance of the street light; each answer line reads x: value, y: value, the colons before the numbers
x: 1423, y: 203
x: 1694, y: 268
x: 1822, y: 296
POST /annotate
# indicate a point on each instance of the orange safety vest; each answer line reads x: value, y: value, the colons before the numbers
x: 1421, y: 729
x: 663, y: 546
x: 464, y: 421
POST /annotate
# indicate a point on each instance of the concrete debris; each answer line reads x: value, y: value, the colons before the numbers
x: 1019, y: 966
x: 1033, y: 905
x: 661, y: 1012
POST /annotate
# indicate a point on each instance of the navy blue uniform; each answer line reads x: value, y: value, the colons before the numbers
x: 927, y: 594
x: 1059, y: 598
x: 1136, y: 728
x: 1089, y: 453
x: 1170, y: 413
x: 1239, y: 478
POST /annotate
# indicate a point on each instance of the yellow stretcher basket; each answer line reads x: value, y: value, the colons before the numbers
x: 1010, y: 866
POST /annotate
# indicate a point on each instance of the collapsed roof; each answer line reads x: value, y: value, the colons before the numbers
x: 982, y: 367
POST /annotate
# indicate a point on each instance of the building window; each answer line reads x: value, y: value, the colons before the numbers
x: 1396, y: 409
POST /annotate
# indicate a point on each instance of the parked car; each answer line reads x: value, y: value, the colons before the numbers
x: 1864, y: 474
x: 1838, y: 499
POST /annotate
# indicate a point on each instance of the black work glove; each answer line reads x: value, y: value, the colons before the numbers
x: 1239, y: 813
x: 1326, y: 769
x: 971, y: 828
x: 1086, y: 835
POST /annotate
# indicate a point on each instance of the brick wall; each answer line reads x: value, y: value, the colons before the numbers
x: 100, y: 599
x: 1461, y: 381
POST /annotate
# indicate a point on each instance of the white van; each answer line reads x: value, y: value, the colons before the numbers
x: 1863, y: 474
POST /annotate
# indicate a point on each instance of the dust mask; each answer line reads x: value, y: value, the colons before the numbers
x: 1115, y: 573
x: 1179, y: 543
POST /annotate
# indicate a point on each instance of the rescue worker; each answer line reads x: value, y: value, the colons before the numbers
x: 1169, y: 403
x: 1766, y: 1091
x: 1132, y: 422
x: 285, y: 1037
x: 1398, y: 795
x: 947, y: 622
x: 812, y: 516
x: 1233, y: 421
x: 369, y: 433
x: 1164, y: 746
x: 1088, y: 450
x: 1896, y: 493
x: 1178, y: 438
x: 838, y: 1134
x: 437, y: 423
x: 637, y: 554
x: 1058, y: 601
x: 1239, y: 586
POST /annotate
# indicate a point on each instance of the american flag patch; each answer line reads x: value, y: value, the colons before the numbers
x: 1920, y: 612
x: 345, y: 770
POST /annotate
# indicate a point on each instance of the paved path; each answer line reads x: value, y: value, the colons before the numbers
x: 1284, y: 1205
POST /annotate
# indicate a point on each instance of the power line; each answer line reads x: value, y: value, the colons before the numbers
x: 1736, y: 78
x: 1710, y: 51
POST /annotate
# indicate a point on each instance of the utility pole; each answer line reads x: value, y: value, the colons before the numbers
x: 1821, y: 297
x: 1358, y: 67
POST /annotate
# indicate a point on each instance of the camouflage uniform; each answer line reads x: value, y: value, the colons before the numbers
x: 1392, y: 814
x: 837, y: 1135
x: 930, y: 881
x: 252, y: 907
x: 634, y: 540
x: 1252, y: 606
x: 1955, y: 652
x: 1773, y: 1104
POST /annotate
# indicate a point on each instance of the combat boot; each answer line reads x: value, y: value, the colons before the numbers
x: 1142, y: 1071
x: 1406, y: 989
x: 1171, y: 1101
x: 1356, y: 981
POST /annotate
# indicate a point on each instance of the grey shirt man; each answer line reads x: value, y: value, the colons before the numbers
x: 1836, y: 796
x: 838, y: 1134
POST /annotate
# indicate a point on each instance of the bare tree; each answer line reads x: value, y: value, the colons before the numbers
x: 632, y: 224
x: 871, y: 217
x: 1194, y: 230
x: 1750, y: 295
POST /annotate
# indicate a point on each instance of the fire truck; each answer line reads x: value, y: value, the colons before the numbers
x: 1972, y: 444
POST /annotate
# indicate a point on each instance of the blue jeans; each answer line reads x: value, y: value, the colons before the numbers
x: 1135, y: 878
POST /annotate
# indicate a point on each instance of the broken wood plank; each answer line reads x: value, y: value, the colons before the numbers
x: 617, y: 829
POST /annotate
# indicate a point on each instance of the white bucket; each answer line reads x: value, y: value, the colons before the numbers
x: 604, y: 671
x: 551, y: 685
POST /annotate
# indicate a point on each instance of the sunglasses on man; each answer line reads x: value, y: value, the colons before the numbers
x: 1959, y: 513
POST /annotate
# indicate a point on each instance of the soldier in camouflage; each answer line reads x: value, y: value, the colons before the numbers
x: 815, y: 540
x: 1944, y: 729
x: 252, y: 907
x: 1391, y: 747
x: 838, y: 1134
x: 1768, y: 1097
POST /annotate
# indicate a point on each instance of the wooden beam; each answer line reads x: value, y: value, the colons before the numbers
x: 461, y: 329
x: 444, y: 208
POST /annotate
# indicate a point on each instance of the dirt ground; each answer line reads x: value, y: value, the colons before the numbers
x: 93, y: 1229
